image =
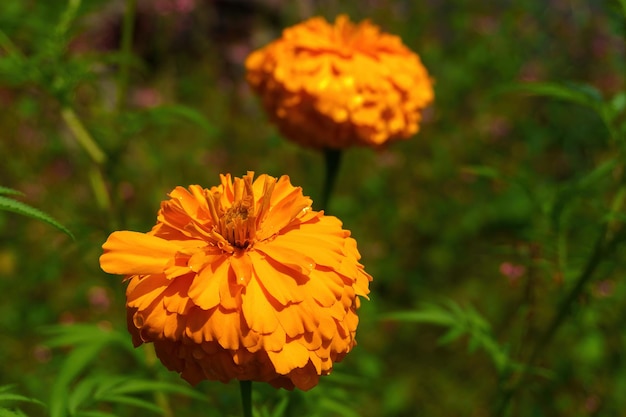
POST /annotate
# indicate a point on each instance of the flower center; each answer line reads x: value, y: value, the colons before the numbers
x: 236, y: 226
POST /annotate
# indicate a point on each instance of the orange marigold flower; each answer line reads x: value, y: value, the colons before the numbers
x: 242, y: 281
x: 335, y: 86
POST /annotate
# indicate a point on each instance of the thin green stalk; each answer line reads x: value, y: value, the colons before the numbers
x: 246, y: 397
x: 618, y: 202
x: 9, y: 46
x: 67, y: 18
x: 332, y: 161
x: 128, y: 27
x: 82, y: 135
x: 99, y: 188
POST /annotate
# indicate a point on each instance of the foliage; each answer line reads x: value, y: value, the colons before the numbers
x: 8, y: 204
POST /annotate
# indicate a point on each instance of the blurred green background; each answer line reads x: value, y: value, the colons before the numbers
x: 464, y: 211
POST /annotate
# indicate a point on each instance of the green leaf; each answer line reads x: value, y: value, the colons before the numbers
x: 94, y: 413
x: 460, y: 322
x: 281, y: 407
x: 451, y: 335
x: 5, y: 412
x: 16, y: 397
x: 67, y: 17
x: 81, y: 394
x: 337, y: 407
x: 75, y: 362
x: 141, y: 385
x: 600, y: 172
x: 618, y: 102
x: 6, y: 396
x: 582, y: 94
x: 120, y: 399
x: 87, y: 342
x: 9, y: 191
x: 8, y: 204
x: 482, y: 171
x: 79, y: 334
x: 431, y: 316
x: 164, y: 113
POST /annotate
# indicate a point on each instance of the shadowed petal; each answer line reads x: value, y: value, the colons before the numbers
x: 257, y: 310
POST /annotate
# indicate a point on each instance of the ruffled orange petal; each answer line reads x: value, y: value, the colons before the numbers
x: 132, y: 253
x: 257, y: 310
x: 278, y: 280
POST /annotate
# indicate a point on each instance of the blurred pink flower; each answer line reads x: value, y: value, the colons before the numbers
x: 99, y: 299
x: 512, y: 272
x: 166, y: 7
x: 42, y: 354
x: 146, y: 97
x: 604, y: 289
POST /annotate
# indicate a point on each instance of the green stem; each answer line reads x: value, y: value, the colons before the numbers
x: 126, y: 52
x: 9, y: 46
x: 332, y: 160
x: 99, y: 188
x: 82, y: 135
x: 246, y: 397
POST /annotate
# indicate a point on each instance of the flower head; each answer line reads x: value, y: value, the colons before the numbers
x: 335, y: 86
x: 242, y: 281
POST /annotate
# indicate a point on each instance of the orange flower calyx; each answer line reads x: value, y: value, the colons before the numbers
x: 242, y: 281
x: 335, y: 86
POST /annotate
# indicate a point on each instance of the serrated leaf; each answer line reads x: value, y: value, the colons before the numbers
x: 475, y: 341
x: 141, y: 385
x: 105, y: 385
x: 5, y: 412
x: 482, y: 171
x: 16, y: 397
x: 451, y: 335
x: 281, y: 407
x: 81, y: 392
x: 137, y: 402
x: 6, y: 395
x: 614, y: 216
x: 8, y: 204
x: 601, y: 171
x: 460, y: 322
x: 564, y: 197
x: 79, y: 334
x: 421, y: 316
x: 618, y: 102
x: 185, y: 113
x: 582, y: 94
x: 337, y: 407
x: 10, y: 191
x: 623, y: 3
x: 75, y: 362
x: 94, y: 413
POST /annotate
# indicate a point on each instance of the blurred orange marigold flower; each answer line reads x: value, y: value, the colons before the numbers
x: 242, y: 281
x: 335, y: 86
